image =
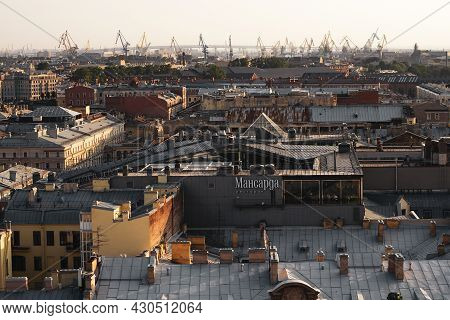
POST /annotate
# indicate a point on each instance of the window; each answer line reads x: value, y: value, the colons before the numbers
x: 130, y: 184
x: 293, y: 192
x: 47, y: 165
x: 331, y: 192
x: 47, y: 154
x: 4, y: 155
x: 19, y: 263
x: 350, y: 192
x: 50, y: 238
x: 76, y: 239
x: 58, y: 165
x: 14, y: 155
x: 63, y: 238
x: 36, y: 155
x: 436, y: 116
x: 427, y: 214
x: 64, y: 263
x: 311, y: 192
x: 428, y: 116
x: 446, y: 213
x: 37, y: 263
x: 36, y: 238
x: 76, y: 262
x: 25, y: 154
x: 16, y: 238
x: 36, y: 165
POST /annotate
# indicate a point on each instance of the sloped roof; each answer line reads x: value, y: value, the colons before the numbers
x: 264, y: 122
x: 52, y: 111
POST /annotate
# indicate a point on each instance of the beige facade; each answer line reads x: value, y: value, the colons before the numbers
x: 226, y: 102
x: 39, y: 249
x: 5, y: 257
x: 20, y: 85
x: 56, y: 149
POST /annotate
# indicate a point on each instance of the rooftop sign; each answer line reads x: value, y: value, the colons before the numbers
x: 262, y: 183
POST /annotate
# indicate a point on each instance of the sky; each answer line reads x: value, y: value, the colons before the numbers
x: 99, y: 20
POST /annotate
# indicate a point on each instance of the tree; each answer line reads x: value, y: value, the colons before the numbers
x: 240, y: 62
x: 43, y: 66
x: 215, y: 72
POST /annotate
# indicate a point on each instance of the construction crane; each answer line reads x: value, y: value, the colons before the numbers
x: 125, y: 44
x: 230, y: 47
x: 66, y: 42
x: 262, y: 48
x: 142, y: 46
x: 368, y: 46
x: 177, y: 52
x: 204, y: 48
x: 381, y: 45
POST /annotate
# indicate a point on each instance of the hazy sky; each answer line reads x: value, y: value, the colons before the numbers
x: 99, y: 20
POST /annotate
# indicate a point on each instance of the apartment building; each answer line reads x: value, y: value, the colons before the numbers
x: 59, y: 149
x: 5, y: 255
x: 29, y: 86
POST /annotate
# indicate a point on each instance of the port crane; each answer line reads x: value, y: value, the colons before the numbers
x: 368, y: 46
x: 177, y: 51
x: 204, y: 47
x: 381, y: 45
x: 66, y: 42
x: 125, y: 44
x: 261, y: 47
x: 142, y: 46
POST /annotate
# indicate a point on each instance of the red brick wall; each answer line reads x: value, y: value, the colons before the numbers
x: 359, y: 97
x: 166, y: 220
x: 79, y: 96
x: 150, y: 106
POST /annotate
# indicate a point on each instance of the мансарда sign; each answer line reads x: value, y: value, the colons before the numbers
x: 262, y: 183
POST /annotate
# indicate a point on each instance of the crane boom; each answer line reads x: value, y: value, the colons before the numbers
x: 125, y: 44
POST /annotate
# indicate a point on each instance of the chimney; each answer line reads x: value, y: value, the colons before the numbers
x: 366, y: 223
x: 16, y: 284
x: 125, y: 170
x: 441, y: 249
x: 343, y: 263
x: 446, y: 239
x: 32, y: 194
x: 155, y: 253
x: 379, y: 145
x: 150, y: 196
x: 320, y: 256
x: 12, y: 175
x: 442, y: 147
x: 432, y: 228
x: 199, y: 256
x: 388, y: 249
x: 340, y: 223
x: 380, y: 231
x: 273, y: 266
x: 391, y: 263
x: 151, y: 271
x: 234, y: 239
x: 48, y: 283
x: 226, y: 255
x: 399, y: 261
x: 256, y: 255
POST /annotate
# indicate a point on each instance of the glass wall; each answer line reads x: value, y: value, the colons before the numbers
x: 327, y: 192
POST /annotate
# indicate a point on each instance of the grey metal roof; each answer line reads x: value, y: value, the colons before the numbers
x: 357, y: 114
x: 125, y: 278
x: 52, y: 111
x: 57, y: 207
x: 69, y: 293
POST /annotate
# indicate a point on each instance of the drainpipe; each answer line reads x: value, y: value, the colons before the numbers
x: 396, y: 175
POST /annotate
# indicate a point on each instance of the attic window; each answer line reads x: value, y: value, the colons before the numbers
x: 355, y: 115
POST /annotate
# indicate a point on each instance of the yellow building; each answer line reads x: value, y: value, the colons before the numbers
x: 5, y: 256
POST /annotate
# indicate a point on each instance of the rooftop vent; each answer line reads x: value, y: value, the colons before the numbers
x: 257, y: 169
x: 269, y: 169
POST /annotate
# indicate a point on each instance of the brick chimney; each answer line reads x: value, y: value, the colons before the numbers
x: 399, y: 261
x: 391, y: 263
x: 226, y: 255
x: 380, y: 231
x: 320, y: 256
x: 256, y: 255
x: 273, y: 266
x: 432, y: 228
x: 151, y: 270
x: 234, y: 239
x: 48, y: 283
x: 343, y: 263
x: 366, y: 223
x: 199, y: 256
